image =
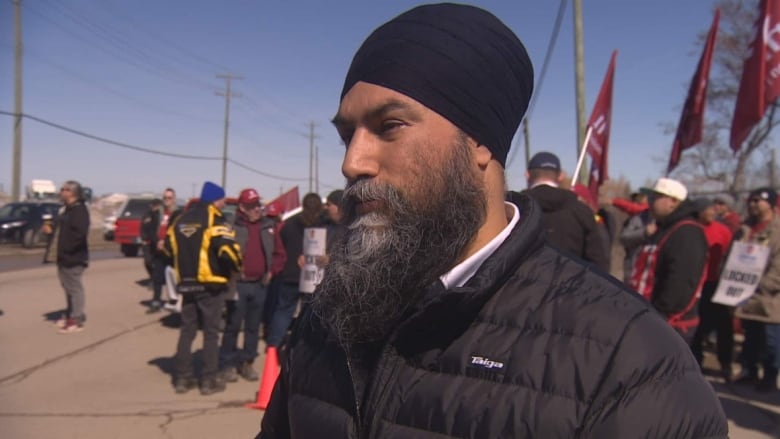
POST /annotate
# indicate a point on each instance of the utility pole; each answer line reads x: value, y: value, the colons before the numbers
x: 228, y: 94
x: 311, y: 155
x: 317, y: 169
x: 16, y: 173
x: 772, y: 169
x: 579, y: 82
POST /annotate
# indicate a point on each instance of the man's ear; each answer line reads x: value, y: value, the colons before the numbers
x: 482, y: 155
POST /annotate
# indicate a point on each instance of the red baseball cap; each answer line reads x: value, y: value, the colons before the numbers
x: 249, y: 196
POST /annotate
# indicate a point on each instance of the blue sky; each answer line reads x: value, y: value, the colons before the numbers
x: 144, y: 73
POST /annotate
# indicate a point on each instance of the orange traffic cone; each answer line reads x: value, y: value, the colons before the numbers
x: 270, y: 374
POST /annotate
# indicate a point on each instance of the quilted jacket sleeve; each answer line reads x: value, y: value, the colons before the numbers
x: 652, y: 388
x: 276, y: 424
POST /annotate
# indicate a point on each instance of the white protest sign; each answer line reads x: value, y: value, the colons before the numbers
x: 744, y: 268
x: 313, y: 247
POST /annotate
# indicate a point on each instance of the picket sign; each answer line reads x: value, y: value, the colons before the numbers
x: 314, y: 239
x: 740, y: 276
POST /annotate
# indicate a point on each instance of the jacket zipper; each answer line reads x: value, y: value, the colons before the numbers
x: 377, y: 396
x: 355, y: 395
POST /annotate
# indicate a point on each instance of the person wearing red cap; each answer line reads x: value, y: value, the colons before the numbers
x: 263, y: 254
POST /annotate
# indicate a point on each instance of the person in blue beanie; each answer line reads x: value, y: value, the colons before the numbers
x: 202, y: 282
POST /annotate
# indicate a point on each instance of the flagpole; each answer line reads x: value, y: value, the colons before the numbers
x: 583, y: 151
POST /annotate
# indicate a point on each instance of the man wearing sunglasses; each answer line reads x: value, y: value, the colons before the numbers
x: 761, y: 313
x: 670, y: 268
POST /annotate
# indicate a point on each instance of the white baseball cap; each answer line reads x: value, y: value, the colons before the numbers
x: 669, y: 187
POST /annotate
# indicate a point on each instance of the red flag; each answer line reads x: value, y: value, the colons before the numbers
x: 691, y: 126
x: 285, y: 202
x: 760, y: 85
x: 599, y: 124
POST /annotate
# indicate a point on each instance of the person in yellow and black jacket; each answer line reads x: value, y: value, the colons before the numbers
x: 202, y: 245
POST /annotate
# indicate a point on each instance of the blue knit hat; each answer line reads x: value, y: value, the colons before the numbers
x: 211, y: 192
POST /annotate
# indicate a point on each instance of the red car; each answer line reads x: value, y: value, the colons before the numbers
x: 128, y: 225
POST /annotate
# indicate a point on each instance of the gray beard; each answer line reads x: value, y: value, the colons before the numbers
x: 387, y: 258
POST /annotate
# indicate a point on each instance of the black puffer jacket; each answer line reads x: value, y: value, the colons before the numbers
x: 534, y: 345
x: 570, y: 225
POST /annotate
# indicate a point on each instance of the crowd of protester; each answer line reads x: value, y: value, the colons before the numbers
x: 251, y: 286
x: 676, y: 247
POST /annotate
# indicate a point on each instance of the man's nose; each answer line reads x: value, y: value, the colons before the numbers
x: 362, y: 157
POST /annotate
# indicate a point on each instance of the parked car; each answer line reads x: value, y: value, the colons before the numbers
x: 127, y: 232
x: 21, y: 222
x: 109, y: 224
x: 231, y: 206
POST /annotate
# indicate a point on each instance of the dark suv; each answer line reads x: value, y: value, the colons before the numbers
x: 21, y: 222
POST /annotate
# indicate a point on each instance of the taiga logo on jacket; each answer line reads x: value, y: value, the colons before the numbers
x: 486, y: 362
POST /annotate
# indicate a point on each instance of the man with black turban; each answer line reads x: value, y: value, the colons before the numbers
x: 442, y: 312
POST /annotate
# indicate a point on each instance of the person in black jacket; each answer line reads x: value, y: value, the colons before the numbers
x: 205, y: 256
x: 287, y: 292
x: 69, y: 245
x: 670, y: 268
x: 570, y: 225
x: 442, y: 312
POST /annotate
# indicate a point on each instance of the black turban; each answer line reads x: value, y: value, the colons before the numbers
x: 460, y: 61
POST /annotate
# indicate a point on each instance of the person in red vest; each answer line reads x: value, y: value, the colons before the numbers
x: 671, y: 266
x: 714, y: 317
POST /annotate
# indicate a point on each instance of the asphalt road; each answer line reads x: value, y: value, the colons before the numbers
x: 113, y: 380
x: 15, y: 257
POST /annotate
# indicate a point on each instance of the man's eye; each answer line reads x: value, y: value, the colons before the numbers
x: 390, y: 126
x: 346, y: 138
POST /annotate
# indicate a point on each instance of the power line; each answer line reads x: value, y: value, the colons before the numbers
x: 112, y: 37
x: 148, y: 150
x: 543, y: 73
x: 124, y: 55
x: 265, y: 174
x: 159, y: 37
x: 112, y: 142
x: 96, y: 84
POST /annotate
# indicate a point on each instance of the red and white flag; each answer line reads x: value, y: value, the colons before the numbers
x: 691, y: 125
x: 600, y: 122
x: 760, y: 84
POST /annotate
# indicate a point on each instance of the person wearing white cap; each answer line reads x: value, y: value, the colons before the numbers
x: 670, y: 268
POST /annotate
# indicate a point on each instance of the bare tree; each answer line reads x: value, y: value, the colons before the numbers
x: 712, y: 165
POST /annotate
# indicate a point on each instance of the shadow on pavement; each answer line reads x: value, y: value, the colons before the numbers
x: 172, y: 320
x: 53, y: 316
x: 741, y: 404
x: 167, y: 365
x: 146, y: 283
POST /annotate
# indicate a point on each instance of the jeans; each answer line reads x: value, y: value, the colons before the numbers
x: 159, y: 262
x: 246, y: 310
x: 70, y: 279
x: 772, y: 360
x: 714, y: 317
x: 286, y: 302
x: 207, y: 305
x: 754, y: 346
